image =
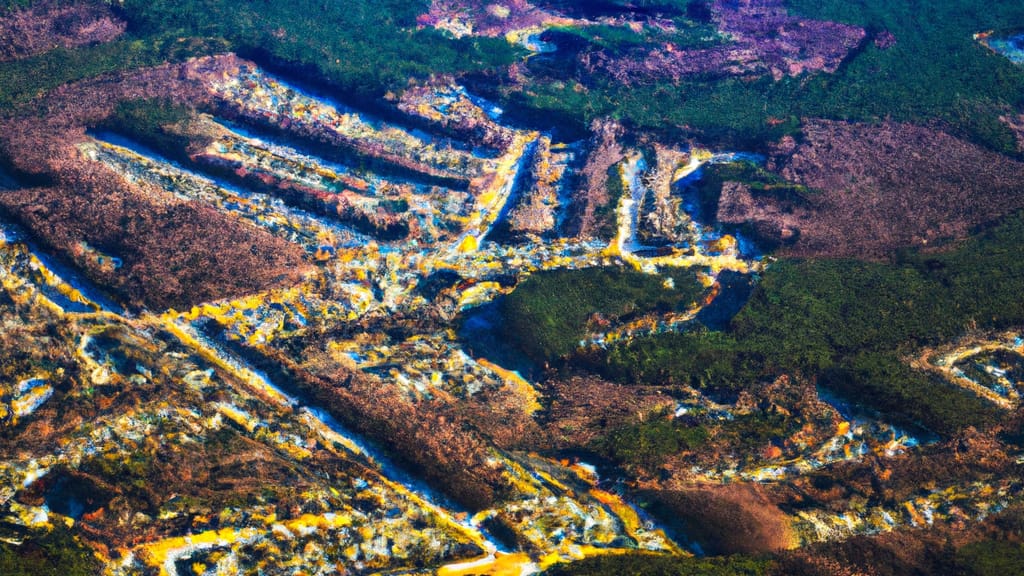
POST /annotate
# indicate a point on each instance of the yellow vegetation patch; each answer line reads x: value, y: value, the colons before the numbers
x: 469, y: 244
x: 497, y: 564
x: 519, y: 383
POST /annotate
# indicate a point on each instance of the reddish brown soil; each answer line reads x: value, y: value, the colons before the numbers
x: 584, y: 409
x: 429, y: 437
x: 175, y: 253
x: 50, y: 24
x: 762, y: 39
x: 727, y: 519
x: 591, y: 195
x: 879, y: 188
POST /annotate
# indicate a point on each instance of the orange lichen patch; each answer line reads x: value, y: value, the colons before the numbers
x: 28, y: 400
x: 634, y: 526
x: 32, y: 282
x: 716, y: 289
x: 915, y: 516
x: 65, y: 289
x: 322, y: 254
x: 698, y: 156
x: 551, y: 480
x: 237, y: 416
x: 94, y: 516
x: 519, y: 383
x: 649, y: 324
x: 614, y: 502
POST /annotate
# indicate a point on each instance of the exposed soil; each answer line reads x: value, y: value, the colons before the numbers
x: 50, y: 24
x: 881, y: 187
x: 763, y: 39
x: 174, y: 253
x: 586, y: 217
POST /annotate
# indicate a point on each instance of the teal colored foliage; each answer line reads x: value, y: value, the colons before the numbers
x: 8, y: 5
x: 719, y: 111
x: 688, y: 34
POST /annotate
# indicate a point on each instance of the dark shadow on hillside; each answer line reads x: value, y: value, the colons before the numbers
x: 480, y: 332
x: 736, y: 289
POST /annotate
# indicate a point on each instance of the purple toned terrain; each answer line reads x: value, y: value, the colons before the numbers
x: 762, y: 38
x: 48, y: 24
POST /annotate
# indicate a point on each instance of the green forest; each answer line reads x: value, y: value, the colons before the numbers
x: 848, y: 324
x: 363, y: 48
x: 935, y: 73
